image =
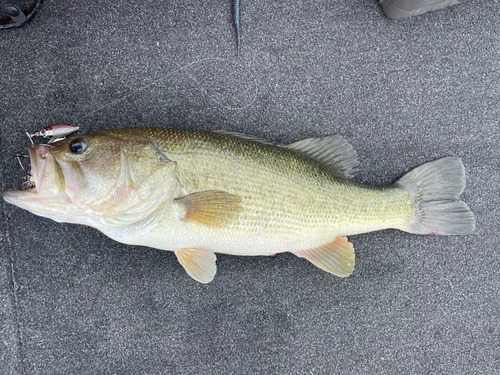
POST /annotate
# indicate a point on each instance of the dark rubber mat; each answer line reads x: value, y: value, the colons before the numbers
x: 403, y: 93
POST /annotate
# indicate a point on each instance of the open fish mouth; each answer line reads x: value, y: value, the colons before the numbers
x: 46, y: 184
x: 46, y: 171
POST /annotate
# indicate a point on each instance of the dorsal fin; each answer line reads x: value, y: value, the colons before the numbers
x: 333, y: 151
x: 244, y: 136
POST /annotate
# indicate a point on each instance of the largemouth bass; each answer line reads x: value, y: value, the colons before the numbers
x: 199, y: 192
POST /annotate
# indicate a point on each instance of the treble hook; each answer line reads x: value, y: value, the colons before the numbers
x: 29, y: 136
x: 18, y: 157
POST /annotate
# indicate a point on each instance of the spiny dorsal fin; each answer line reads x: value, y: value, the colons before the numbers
x: 198, y: 263
x: 332, y: 151
x: 336, y: 257
x: 210, y: 207
x: 244, y: 136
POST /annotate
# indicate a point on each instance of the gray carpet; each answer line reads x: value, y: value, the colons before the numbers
x: 402, y: 92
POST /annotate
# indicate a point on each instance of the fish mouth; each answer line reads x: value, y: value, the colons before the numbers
x: 47, y: 177
x: 37, y: 163
x: 46, y: 171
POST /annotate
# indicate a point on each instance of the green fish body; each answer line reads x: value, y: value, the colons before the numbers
x: 198, y: 193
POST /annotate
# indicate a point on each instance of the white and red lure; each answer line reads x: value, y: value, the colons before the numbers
x: 55, y: 132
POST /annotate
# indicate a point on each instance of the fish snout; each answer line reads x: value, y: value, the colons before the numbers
x: 40, y: 150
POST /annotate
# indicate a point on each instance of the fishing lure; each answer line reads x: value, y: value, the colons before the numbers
x: 57, y: 131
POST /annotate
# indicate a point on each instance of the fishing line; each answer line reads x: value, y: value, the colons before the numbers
x: 212, y: 97
x: 200, y: 87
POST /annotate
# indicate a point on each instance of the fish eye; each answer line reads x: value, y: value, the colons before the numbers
x: 78, y: 145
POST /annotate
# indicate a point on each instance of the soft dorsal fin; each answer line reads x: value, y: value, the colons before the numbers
x: 336, y: 257
x: 333, y: 151
x: 210, y: 207
x: 244, y: 136
x: 198, y: 263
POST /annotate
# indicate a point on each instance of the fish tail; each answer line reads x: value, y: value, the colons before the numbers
x: 435, y: 190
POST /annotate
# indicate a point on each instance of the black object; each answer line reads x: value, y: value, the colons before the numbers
x: 15, y: 13
x: 399, y: 9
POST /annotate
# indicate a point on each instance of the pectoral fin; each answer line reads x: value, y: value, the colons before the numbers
x: 211, y: 208
x: 198, y: 263
x: 336, y: 257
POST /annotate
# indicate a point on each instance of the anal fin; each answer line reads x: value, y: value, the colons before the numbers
x: 198, y: 263
x: 335, y: 257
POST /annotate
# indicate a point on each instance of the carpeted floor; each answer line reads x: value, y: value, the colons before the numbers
x: 73, y: 301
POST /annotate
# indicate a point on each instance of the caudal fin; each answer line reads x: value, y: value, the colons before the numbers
x: 435, y: 188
